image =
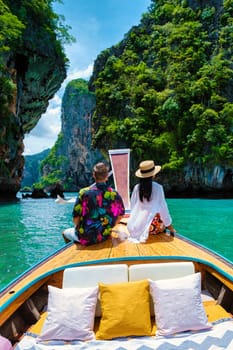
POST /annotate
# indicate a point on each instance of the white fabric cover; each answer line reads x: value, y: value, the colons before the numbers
x: 69, y: 233
x: 177, y: 305
x: 90, y: 276
x: 160, y: 271
x: 142, y: 213
x: 71, y: 313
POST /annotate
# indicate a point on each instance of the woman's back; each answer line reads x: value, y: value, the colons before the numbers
x: 148, y: 204
x: 143, y: 212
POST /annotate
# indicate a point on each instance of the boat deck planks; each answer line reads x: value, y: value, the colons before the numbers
x: 159, y: 245
x: 124, y: 248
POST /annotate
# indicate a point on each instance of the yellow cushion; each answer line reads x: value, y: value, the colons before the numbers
x: 37, y: 327
x: 214, y: 311
x: 125, y: 310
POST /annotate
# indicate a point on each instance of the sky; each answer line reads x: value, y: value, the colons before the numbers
x: 96, y: 25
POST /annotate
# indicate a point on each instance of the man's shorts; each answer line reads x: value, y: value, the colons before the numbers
x: 69, y: 233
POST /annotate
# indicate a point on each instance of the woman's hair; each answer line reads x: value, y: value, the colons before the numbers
x: 145, y: 188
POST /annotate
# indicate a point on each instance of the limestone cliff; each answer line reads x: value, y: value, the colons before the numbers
x: 78, y: 106
x: 165, y: 92
x: 71, y: 159
x: 32, y: 70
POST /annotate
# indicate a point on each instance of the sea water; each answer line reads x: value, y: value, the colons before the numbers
x: 30, y: 229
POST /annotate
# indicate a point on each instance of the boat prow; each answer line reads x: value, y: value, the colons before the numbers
x: 22, y: 302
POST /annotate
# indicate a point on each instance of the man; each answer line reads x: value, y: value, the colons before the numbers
x: 97, y: 209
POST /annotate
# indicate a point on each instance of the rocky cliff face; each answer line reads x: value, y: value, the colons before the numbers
x: 74, y: 153
x: 37, y: 78
x: 78, y: 106
x: 30, y: 73
x: 194, y: 181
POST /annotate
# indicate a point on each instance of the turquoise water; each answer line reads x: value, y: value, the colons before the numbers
x: 31, y: 229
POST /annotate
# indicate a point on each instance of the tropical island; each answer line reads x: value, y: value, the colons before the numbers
x: 164, y: 91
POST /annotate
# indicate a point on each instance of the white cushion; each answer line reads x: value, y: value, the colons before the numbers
x: 178, y: 305
x: 71, y: 313
x: 90, y: 276
x: 160, y: 271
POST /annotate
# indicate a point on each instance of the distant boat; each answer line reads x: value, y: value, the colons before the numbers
x: 61, y: 200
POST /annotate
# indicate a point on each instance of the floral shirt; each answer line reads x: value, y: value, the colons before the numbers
x: 97, y: 208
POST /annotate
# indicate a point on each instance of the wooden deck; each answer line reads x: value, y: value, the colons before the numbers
x: 156, y: 246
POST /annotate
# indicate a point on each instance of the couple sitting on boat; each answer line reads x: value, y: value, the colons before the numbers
x: 99, y: 208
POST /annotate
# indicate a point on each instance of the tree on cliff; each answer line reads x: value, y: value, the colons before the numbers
x: 165, y: 90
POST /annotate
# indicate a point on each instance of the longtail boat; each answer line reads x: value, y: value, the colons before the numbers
x: 24, y: 302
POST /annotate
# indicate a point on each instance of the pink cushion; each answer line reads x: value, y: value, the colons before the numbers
x: 5, y: 344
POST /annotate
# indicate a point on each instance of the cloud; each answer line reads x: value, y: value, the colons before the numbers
x: 45, y: 133
x: 34, y: 144
x: 77, y: 73
x: 56, y: 100
x: 49, y: 123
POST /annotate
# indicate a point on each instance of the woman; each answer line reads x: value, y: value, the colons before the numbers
x: 149, y: 211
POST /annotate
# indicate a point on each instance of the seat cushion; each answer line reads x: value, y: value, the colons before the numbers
x: 90, y: 276
x: 178, y: 305
x: 160, y: 271
x: 125, y: 310
x: 71, y: 314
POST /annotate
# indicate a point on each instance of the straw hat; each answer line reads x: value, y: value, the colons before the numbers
x: 147, y: 168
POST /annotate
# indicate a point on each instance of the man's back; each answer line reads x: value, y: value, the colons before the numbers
x: 96, y: 211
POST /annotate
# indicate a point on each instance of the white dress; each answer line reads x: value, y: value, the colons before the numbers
x: 142, y: 213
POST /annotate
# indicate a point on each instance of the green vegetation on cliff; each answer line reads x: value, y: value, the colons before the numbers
x: 165, y: 91
x: 79, y: 85
x: 27, y: 27
x: 53, y: 166
x: 10, y: 29
x: 31, y: 172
